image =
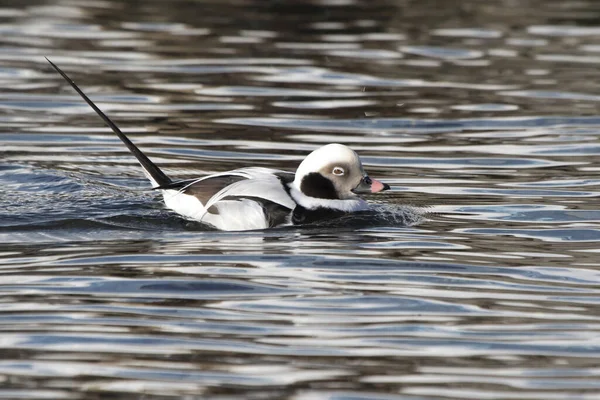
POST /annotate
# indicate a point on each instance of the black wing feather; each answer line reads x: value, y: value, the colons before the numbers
x: 275, y: 213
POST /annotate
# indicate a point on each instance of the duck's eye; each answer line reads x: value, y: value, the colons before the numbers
x: 339, y: 171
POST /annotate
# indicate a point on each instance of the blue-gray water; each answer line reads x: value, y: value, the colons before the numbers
x: 484, y: 114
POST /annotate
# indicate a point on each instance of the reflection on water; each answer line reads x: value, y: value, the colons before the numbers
x: 481, y: 115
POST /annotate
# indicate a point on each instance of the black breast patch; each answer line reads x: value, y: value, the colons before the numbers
x: 303, y: 216
x: 316, y: 185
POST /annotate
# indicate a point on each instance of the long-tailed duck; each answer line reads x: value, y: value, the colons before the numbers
x: 324, y: 186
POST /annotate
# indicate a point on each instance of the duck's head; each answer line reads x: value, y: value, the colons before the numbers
x: 334, y: 172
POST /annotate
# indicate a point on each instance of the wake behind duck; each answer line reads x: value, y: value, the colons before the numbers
x: 325, y: 186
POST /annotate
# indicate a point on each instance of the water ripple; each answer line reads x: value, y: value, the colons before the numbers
x: 392, y: 125
x: 474, y: 277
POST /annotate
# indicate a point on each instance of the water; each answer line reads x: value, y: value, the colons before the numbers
x: 484, y: 115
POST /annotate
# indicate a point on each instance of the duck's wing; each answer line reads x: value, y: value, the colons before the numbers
x: 261, y: 183
x: 263, y: 186
x: 247, y: 198
x: 205, y: 188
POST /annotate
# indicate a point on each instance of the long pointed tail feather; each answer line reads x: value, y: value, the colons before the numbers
x: 156, y: 176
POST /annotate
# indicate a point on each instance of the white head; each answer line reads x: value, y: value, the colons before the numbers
x: 334, y: 171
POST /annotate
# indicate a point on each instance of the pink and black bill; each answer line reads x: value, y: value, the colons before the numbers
x: 368, y: 185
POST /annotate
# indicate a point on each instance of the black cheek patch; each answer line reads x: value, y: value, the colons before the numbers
x: 316, y: 185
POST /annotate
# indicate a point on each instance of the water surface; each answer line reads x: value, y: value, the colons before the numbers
x: 484, y: 114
